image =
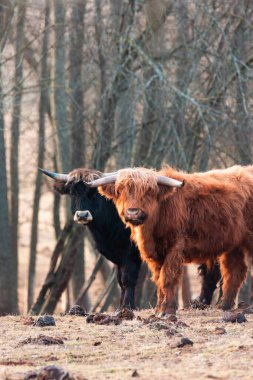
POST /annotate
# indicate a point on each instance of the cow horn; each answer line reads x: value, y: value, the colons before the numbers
x: 162, y: 180
x: 56, y: 176
x: 102, y: 181
x: 109, y: 174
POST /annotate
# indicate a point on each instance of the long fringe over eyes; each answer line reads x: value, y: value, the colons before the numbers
x: 138, y: 181
x: 86, y: 175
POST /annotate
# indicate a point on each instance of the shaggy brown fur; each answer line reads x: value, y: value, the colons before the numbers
x: 211, y: 216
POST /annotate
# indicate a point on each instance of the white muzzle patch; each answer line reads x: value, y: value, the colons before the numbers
x: 83, y: 217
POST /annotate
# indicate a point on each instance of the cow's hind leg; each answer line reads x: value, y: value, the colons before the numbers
x: 233, y: 270
x: 210, y: 273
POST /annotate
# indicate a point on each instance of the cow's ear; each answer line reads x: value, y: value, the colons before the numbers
x: 61, y: 187
x: 108, y: 191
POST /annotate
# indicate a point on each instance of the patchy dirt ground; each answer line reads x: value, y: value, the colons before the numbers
x: 220, y: 350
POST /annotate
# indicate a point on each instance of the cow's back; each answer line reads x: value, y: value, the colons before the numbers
x: 215, y: 207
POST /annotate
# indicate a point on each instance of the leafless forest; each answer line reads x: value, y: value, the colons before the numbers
x: 105, y: 85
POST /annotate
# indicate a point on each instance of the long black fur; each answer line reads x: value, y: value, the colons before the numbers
x: 111, y: 237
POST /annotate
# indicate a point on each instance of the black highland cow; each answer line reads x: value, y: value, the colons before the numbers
x: 111, y: 237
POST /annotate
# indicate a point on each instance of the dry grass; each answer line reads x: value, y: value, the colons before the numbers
x: 131, y: 346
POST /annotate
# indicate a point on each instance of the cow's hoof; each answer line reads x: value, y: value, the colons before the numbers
x: 197, y: 304
x: 166, y: 315
x: 226, y: 307
x: 223, y: 305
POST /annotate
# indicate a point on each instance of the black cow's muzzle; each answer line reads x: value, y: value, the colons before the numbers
x: 82, y: 217
x: 135, y: 216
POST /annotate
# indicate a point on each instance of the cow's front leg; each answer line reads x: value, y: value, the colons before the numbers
x: 168, y: 281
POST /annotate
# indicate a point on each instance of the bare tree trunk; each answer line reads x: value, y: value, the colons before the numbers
x: 186, y: 289
x: 153, y: 122
x: 139, y: 286
x: 60, y: 104
x: 60, y: 100
x: 111, y: 281
x: 41, y: 148
x: 77, y: 127
x: 109, y: 93
x: 6, y: 16
x: 105, y: 268
x: 50, y: 281
x: 149, y: 293
x: 110, y: 299
x: 86, y: 286
x: 57, y: 203
x: 76, y: 83
x: 122, y: 17
x: 148, y: 146
x: 182, y: 83
x: 14, y: 153
x: 62, y: 274
x: 6, y: 305
x: 102, y: 150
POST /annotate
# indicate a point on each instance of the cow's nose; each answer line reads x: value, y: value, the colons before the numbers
x: 132, y: 211
x: 134, y: 216
x: 83, y: 217
x: 82, y: 214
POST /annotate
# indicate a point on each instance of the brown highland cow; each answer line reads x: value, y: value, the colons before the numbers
x: 178, y: 218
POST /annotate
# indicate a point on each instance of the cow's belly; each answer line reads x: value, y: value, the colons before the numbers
x: 200, y: 251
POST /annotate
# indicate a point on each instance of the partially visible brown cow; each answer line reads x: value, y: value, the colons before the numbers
x: 178, y: 218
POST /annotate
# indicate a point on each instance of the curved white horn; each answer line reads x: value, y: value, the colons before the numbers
x: 108, y: 174
x: 56, y: 176
x: 102, y: 181
x: 167, y: 181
